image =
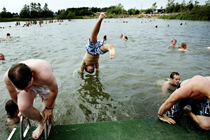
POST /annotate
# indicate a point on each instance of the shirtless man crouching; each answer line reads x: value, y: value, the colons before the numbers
x: 191, y: 91
x: 95, y: 48
x: 32, y: 77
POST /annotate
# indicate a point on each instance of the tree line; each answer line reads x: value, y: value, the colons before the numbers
x: 190, y: 9
x: 34, y: 10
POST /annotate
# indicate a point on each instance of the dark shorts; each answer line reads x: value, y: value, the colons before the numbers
x: 199, y: 107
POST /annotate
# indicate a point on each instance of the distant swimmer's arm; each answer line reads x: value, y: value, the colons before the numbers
x: 82, y: 67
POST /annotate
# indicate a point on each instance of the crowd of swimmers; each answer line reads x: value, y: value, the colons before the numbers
x: 35, y: 76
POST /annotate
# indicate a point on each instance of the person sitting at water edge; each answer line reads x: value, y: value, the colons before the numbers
x: 184, y: 46
x: 173, y: 43
x: 174, y: 81
x: 95, y: 48
x: 32, y: 77
x: 8, y: 35
x: 12, y: 112
x: 125, y: 38
x: 196, y: 88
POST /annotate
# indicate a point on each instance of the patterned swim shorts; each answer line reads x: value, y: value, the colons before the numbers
x: 94, y: 48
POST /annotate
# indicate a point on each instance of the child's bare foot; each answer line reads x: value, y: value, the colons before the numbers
x: 102, y: 16
x: 36, y: 134
x: 112, y: 52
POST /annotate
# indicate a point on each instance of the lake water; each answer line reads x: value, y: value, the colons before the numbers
x: 126, y: 87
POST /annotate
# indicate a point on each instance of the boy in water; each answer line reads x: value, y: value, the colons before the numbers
x: 173, y: 43
x: 8, y: 35
x: 125, y: 38
x: 95, y: 48
x: 184, y: 46
x: 12, y: 112
x: 2, y: 56
x: 173, y: 83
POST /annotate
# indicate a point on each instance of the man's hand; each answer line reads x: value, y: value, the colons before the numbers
x: 166, y: 119
x: 47, y: 115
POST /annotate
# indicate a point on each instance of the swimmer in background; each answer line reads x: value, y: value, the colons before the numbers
x: 172, y: 84
x: 12, y: 112
x: 173, y: 43
x: 184, y: 46
x: 2, y: 56
x: 105, y: 38
x: 125, y: 38
x: 8, y: 35
x: 121, y: 35
x: 95, y: 48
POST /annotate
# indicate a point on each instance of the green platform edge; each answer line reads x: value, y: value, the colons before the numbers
x: 141, y: 129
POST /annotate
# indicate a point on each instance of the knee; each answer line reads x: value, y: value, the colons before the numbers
x: 24, y: 109
x: 205, y: 126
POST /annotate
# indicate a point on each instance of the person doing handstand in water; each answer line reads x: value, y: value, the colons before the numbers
x: 95, y: 48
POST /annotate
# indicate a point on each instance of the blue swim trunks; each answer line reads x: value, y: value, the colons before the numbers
x: 94, y: 48
x: 199, y: 107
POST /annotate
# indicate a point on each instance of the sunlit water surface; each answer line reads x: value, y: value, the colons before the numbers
x: 126, y: 87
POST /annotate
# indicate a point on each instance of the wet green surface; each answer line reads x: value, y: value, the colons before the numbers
x: 143, y: 129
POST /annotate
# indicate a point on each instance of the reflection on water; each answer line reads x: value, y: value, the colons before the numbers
x: 125, y: 87
x: 98, y: 105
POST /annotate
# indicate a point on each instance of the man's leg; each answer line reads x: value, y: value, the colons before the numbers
x: 202, y: 121
x: 96, y: 28
x: 110, y: 48
x: 25, y: 105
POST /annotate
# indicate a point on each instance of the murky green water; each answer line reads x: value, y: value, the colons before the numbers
x: 126, y: 87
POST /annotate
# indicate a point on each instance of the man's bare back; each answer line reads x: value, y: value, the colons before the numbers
x: 198, y: 88
x: 38, y: 72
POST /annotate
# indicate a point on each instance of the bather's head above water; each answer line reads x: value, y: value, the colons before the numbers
x: 90, y: 68
x: 175, y: 78
x: 173, y: 42
x: 2, y: 56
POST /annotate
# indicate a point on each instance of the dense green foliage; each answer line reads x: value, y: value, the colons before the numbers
x: 35, y: 10
x: 5, y: 14
x: 188, y: 11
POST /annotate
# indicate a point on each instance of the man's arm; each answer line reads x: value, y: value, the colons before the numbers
x: 82, y: 67
x: 176, y: 96
x: 11, y: 89
x: 97, y: 66
x: 53, y: 87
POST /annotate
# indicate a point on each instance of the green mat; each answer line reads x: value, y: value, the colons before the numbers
x: 143, y: 129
